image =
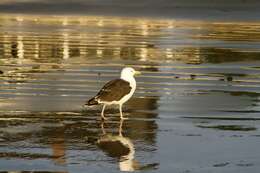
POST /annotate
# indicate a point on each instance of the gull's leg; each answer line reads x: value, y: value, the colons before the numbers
x: 102, y: 128
x: 102, y: 113
x: 121, y: 113
x: 121, y: 127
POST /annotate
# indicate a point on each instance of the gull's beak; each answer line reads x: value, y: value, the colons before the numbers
x: 137, y: 73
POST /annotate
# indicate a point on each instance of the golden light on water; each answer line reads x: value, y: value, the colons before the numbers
x: 169, y: 53
x: 5, y: 46
x: 143, y: 54
x: 36, y: 49
x: 100, y: 23
x: 65, y: 21
x: 117, y: 51
x: 65, y: 46
x: 20, y: 48
x: 50, y: 66
x: 86, y: 36
x: 19, y: 19
x: 144, y: 28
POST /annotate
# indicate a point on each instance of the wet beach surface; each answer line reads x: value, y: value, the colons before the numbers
x: 196, y: 107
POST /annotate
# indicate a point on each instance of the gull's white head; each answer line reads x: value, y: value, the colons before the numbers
x: 128, y: 73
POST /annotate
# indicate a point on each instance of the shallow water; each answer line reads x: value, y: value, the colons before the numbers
x: 196, y: 107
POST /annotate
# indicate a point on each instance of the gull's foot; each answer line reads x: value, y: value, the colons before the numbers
x: 104, y: 118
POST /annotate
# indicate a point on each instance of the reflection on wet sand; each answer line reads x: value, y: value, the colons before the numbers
x: 80, y: 131
x: 144, y: 40
x: 51, y: 65
x: 58, y: 146
x: 122, y: 148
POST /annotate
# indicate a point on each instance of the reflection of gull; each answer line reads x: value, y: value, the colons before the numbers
x: 120, y: 147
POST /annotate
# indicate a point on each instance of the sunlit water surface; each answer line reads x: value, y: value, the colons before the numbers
x: 196, y: 107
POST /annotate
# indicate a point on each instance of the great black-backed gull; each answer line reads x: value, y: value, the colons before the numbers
x: 117, y: 91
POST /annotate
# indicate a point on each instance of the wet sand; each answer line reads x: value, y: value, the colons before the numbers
x: 196, y: 108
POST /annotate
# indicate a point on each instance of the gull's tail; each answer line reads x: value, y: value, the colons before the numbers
x: 92, y: 101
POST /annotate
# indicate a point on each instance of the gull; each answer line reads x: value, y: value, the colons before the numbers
x: 117, y: 91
